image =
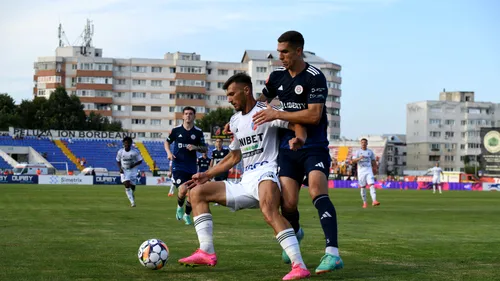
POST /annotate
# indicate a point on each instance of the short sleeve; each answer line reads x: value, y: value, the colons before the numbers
x: 235, y: 144
x: 318, y: 89
x: 171, y: 137
x: 138, y: 156
x: 202, y: 139
x: 269, y: 90
x: 119, y: 156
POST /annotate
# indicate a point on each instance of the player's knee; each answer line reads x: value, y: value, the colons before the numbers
x: 196, y: 195
x: 289, y: 205
x: 270, y: 213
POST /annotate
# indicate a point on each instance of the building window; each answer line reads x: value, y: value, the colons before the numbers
x: 155, y: 135
x: 222, y: 72
x: 435, y: 146
x: 222, y: 98
x: 220, y: 85
x: 156, y: 69
x: 261, y: 69
x: 434, y: 158
x: 141, y: 69
x: 155, y: 108
x: 138, y: 95
x: 435, y: 134
x: 171, y: 69
x: 138, y: 82
x: 138, y: 121
x: 261, y: 82
x: 155, y: 122
x: 449, y: 134
x: 449, y: 122
x: 171, y: 96
x: 435, y: 121
x: 156, y: 83
x: 190, y: 69
x: 141, y: 134
x: 138, y: 108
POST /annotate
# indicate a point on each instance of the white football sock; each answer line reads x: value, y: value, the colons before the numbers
x: 172, y: 187
x: 433, y: 188
x: 290, y: 244
x: 373, y: 193
x: 363, y: 194
x: 439, y: 187
x: 204, y: 228
x: 130, y: 195
x: 334, y: 251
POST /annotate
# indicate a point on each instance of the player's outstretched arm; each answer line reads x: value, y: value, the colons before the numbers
x: 233, y: 158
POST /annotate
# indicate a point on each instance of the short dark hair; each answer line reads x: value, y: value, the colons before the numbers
x: 363, y: 139
x: 127, y: 138
x: 294, y: 38
x: 241, y: 77
x: 189, y: 108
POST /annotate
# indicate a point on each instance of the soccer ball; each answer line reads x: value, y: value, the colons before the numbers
x: 153, y: 254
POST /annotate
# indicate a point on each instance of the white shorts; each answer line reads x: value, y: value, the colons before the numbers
x: 245, y: 194
x: 436, y: 180
x: 129, y: 175
x: 366, y: 179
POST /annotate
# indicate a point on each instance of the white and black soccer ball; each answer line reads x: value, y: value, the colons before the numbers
x: 153, y: 254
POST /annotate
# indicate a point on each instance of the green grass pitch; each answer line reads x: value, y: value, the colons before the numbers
x: 91, y: 233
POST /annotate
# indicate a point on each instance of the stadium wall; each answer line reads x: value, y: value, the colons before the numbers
x: 165, y: 181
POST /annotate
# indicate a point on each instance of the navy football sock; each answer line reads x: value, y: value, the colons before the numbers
x: 328, y: 219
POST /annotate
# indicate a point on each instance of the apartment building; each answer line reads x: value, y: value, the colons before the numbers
x: 447, y: 130
x: 395, y: 154
x: 147, y: 95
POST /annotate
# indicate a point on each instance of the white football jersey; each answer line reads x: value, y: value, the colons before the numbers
x: 365, y: 164
x: 259, y: 147
x: 436, y: 171
x: 128, y: 158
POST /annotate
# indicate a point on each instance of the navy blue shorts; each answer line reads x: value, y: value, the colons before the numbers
x: 298, y: 164
x: 180, y: 177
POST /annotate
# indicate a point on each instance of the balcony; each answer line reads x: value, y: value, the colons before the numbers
x: 190, y: 89
x: 102, y: 112
x: 190, y: 102
x: 191, y: 76
x: 94, y: 73
x: 100, y: 100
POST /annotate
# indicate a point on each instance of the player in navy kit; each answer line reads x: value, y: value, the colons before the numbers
x: 188, y: 140
x: 302, y: 91
x: 217, y: 155
x: 203, y: 162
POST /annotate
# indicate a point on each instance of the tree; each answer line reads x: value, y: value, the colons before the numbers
x: 59, y: 112
x: 7, y: 112
x: 218, y: 117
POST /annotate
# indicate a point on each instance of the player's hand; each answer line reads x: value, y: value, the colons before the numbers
x: 263, y: 116
x: 169, y: 174
x: 171, y: 157
x: 197, y: 179
x: 296, y: 143
x: 227, y: 130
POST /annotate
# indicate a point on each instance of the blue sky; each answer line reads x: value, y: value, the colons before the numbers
x: 392, y: 51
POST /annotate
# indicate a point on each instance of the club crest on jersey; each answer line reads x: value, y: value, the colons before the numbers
x: 299, y: 89
x: 193, y: 137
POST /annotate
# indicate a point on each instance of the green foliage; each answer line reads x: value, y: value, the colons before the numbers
x: 60, y: 112
x: 218, y: 117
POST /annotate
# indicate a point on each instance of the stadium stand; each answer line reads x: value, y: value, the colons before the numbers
x: 4, y: 165
x: 41, y: 145
x: 98, y: 153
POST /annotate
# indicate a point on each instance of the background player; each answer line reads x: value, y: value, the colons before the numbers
x: 169, y: 175
x: 203, y: 162
x: 128, y: 160
x: 302, y: 91
x: 217, y: 155
x: 436, y: 177
x: 367, y: 167
x: 259, y: 185
x: 188, y: 140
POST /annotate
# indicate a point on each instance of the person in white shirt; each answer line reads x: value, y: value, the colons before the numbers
x: 258, y: 147
x: 436, y: 177
x: 128, y: 160
x: 367, y: 166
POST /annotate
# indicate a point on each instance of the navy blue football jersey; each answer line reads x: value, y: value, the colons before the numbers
x: 296, y: 93
x: 185, y: 160
x: 219, y: 155
x: 203, y: 164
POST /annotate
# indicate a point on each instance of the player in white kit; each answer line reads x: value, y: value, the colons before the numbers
x: 367, y: 166
x: 128, y: 160
x: 259, y: 186
x: 436, y: 177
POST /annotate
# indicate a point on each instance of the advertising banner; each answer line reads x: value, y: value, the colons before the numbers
x: 70, y: 180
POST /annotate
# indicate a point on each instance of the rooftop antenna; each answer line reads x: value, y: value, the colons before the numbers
x: 62, y: 36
